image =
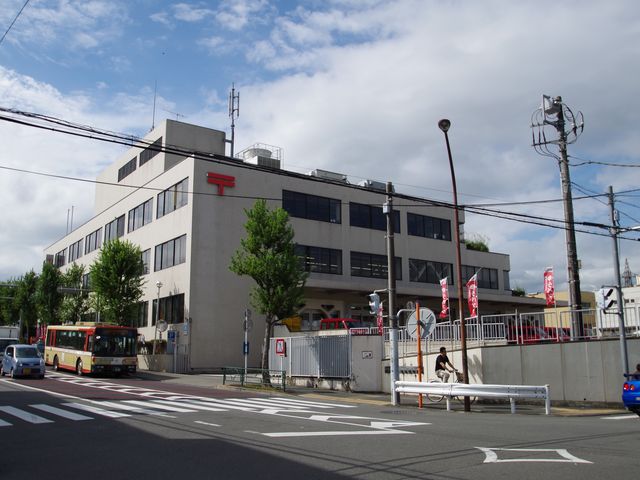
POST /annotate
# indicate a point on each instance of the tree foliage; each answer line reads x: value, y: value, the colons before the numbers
x: 116, y: 279
x: 267, y: 255
x: 48, y: 298
x: 26, y: 303
x: 478, y: 242
x: 74, y: 304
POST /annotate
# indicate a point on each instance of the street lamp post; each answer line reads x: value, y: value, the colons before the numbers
x: 444, y: 125
x: 155, y: 333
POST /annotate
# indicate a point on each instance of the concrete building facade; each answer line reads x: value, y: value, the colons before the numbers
x: 183, y: 202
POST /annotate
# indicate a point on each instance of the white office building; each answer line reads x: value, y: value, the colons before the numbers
x: 183, y: 203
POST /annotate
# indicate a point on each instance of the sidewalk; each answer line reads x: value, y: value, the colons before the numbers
x: 215, y: 381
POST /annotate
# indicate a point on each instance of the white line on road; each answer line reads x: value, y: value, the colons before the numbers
x: 566, y: 457
x: 207, y: 423
x: 60, y: 412
x: 23, y: 415
x: 619, y: 417
x: 96, y: 410
x: 159, y: 406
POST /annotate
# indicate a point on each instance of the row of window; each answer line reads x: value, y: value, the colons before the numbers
x: 313, y: 207
x: 329, y: 260
x: 146, y: 155
x: 168, y: 254
x: 169, y: 200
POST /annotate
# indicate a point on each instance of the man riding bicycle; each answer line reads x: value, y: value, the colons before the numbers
x: 441, y: 366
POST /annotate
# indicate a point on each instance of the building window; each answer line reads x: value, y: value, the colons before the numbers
x: 75, y: 250
x: 425, y: 271
x: 372, y: 266
x: 114, y: 229
x: 146, y: 261
x: 371, y: 216
x: 320, y: 260
x: 127, y: 169
x: 311, y: 207
x: 140, y: 216
x: 429, y: 227
x: 505, y: 279
x: 138, y: 315
x: 173, y: 198
x: 86, y: 281
x: 151, y: 151
x: 93, y: 241
x: 168, y: 254
x: 60, y: 259
x: 171, y: 309
x: 487, y: 277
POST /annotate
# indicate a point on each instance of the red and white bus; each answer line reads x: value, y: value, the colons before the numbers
x: 90, y: 347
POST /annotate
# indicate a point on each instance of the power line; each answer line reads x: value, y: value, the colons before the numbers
x: 606, y: 164
x: 14, y: 21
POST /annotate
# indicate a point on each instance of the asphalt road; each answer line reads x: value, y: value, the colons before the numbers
x: 68, y: 427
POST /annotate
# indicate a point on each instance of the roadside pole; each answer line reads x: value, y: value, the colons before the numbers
x: 418, y: 332
x: 387, y: 209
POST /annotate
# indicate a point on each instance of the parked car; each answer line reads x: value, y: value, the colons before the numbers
x: 631, y: 394
x: 22, y: 360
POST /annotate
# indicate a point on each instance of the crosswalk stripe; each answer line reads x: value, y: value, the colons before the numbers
x: 294, y: 401
x: 130, y: 408
x: 96, y: 410
x: 61, y: 413
x: 191, y: 404
x: 271, y: 405
x: 223, y: 404
x: 24, y: 415
x: 286, y: 403
x: 5, y: 424
x: 158, y: 405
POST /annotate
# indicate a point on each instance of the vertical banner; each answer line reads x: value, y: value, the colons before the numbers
x: 472, y: 295
x: 379, y: 319
x: 444, y: 313
x: 549, y: 287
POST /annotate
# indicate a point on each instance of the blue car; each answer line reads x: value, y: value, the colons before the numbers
x: 631, y: 394
x: 22, y: 361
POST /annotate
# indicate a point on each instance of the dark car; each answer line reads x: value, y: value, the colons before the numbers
x: 631, y: 394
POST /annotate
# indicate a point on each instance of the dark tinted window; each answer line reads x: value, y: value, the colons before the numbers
x: 311, y: 207
x: 371, y: 216
x: 429, y: 227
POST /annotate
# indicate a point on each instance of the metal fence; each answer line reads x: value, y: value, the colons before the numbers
x: 320, y: 356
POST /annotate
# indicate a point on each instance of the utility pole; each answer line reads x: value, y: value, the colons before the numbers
x: 615, y: 229
x: 234, y: 112
x: 391, y: 277
x: 555, y: 113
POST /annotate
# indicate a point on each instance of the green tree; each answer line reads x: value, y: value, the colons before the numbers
x: 267, y: 255
x: 74, y: 303
x: 478, y: 242
x: 48, y: 298
x: 116, y: 278
x: 25, y: 302
x: 9, y: 312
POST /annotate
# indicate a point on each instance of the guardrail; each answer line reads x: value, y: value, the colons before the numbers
x: 450, y: 390
x: 278, y: 378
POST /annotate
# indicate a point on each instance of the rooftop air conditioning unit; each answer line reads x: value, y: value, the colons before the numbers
x: 375, y: 185
x: 338, y: 177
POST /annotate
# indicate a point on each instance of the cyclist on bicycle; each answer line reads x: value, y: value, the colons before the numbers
x: 441, y: 366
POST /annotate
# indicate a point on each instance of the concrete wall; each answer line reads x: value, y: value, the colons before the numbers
x: 576, y: 372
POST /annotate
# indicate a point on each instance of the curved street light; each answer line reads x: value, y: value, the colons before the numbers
x: 444, y: 125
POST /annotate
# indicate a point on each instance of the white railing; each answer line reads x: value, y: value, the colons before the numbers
x: 450, y: 390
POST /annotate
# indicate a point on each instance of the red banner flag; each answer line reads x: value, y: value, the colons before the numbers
x: 445, y: 298
x: 379, y: 320
x: 472, y: 295
x: 549, y: 287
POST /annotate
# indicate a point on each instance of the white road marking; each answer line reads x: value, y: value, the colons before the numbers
x: 23, y: 415
x: 492, y: 456
x: 159, y: 406
x: 61, y: 413
x: 619, y: 417
x: 97, y: 411
x: 207, y: 423
x: 130, y: 408
x: 5, y: 424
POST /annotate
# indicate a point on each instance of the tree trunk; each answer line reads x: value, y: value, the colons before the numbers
x: 266, y: 344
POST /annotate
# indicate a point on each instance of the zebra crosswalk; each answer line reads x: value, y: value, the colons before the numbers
x: 168, y: 406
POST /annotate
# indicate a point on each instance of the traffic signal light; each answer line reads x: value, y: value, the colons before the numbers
x: 374, y: 303
x: 607, y: 298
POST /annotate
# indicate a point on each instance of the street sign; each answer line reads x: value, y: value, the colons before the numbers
x: 281, y: 347
x: 245, y: 348
x: 606, y: 298
x: 247, y: 323
x: 162, y: 326
x: 427, y: 323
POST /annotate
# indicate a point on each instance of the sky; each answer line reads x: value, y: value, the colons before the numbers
x: 350, y: 86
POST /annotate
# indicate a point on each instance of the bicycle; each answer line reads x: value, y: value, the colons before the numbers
x: 457, y: 378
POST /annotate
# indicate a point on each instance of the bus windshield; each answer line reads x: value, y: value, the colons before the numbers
x: 111, y: 342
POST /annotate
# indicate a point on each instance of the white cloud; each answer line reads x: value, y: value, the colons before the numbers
x: 190, y: 13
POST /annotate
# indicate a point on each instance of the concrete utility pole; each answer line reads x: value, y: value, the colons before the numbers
x: 615, y: 230
x: 391, y: 277
x: 555, y: 113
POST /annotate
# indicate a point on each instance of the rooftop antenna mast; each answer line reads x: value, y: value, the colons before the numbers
x: 568, y: 127
x: 234, y: 112
x: 155, y: 91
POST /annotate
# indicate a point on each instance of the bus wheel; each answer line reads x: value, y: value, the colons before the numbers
x: 79, y: 367
x: 56, y: 365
